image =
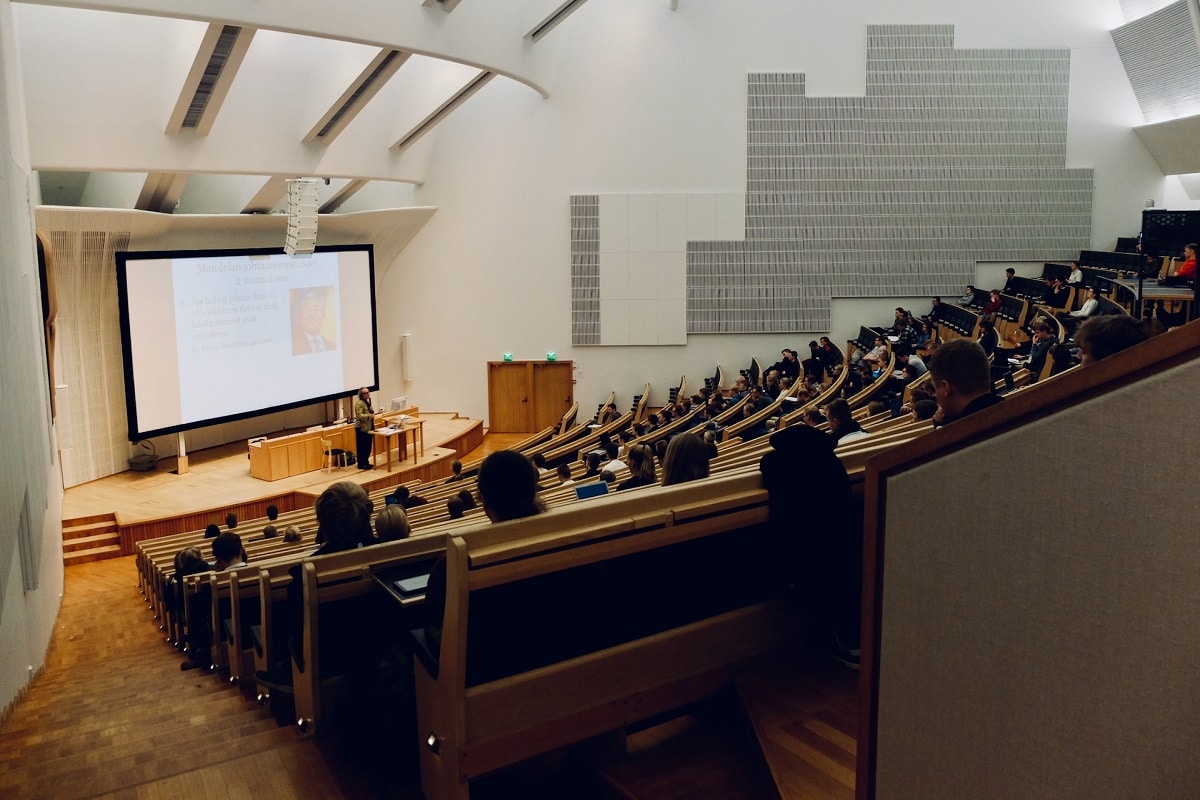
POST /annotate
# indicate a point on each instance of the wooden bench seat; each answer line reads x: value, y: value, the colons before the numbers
x: 627, y: 636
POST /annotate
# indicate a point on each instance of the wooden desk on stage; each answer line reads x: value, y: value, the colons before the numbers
x: 297, y: 453
x: 384, y: 437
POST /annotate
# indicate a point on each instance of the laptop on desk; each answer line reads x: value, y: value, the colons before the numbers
x: 586, y: 490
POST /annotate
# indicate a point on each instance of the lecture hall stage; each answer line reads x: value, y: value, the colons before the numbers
x: 158, y: 503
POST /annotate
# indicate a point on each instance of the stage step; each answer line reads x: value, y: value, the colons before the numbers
x: 92, y: 554
x: 90, y: 538
x: 803, y: 709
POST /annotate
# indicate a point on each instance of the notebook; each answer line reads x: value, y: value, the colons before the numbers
x: 413, y: 585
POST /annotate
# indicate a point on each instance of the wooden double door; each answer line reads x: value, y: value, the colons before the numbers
x: 526, y: 396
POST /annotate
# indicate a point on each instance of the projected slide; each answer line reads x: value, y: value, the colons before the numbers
x: 221, y: 335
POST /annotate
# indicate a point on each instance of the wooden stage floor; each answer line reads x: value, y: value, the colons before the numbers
x: 219, y: 477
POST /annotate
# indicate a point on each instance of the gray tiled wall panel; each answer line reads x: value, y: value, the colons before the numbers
x: 1162, y: 59
x: 585, y: 269
x: 952, y: 156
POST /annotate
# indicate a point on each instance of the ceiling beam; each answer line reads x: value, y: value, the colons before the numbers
x: 457, y: 99
x: 217, y: 61
x: 360, y: 92
x: 268, y: 197
x: 341, y: 196
x: 161, y: 191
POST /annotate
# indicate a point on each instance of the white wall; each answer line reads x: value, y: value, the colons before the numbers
x: 642, y: 100
x: 650, y: 100
x: 28, y: 476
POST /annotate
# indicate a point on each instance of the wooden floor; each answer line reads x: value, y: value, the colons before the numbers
x: 112, y: 716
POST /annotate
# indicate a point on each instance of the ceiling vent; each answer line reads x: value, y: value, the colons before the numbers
x: 217, y: 61
x: 558, y: 15
x: 356, y: 97
x: 443, y: 111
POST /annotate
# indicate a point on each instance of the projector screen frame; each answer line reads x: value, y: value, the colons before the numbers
x: 122, y: 260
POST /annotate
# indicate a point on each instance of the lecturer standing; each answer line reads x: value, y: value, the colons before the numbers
x: 364, y: 424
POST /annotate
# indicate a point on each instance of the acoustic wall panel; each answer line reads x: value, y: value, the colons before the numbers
x: 951, y: 157
x: 1162, y: 59
x: 1136, y: 9
x: 641, y: 273
x: 585, y: 269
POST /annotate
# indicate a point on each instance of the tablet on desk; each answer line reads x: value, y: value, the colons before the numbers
x: 411, y: 586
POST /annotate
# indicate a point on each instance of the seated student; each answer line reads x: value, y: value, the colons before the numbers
x: 468, y: 499
x: 391, y: 524
x: 641, y: 467
x: 813, y: 366
x: 270, y: 532
x: 343, y: 518
x: 813, y: 417
x: 968, y: 296
x: 739, y: 390
x: 1076, y: 275
x: 962, y: 380
x: 1061, y: 359
x: 539, y: 461
x: 926, y: 336
x: 228, y: 552
x: 593, y: 465
x: 456, y: 471
x: 842, y: 426
x: 454, y: 507
x: 1058, y: 293
x: 508, y: 489
x: 906, y: 331
x: 878, y: 354
x: 291, y: 534
x: 508, y: 485
x: 1186, y: 274
x: 993, y: 304
x: 924, y: 409
x: 1090, y: 308
x: 686, y: 460
x: 831, y: 356
x: 564, y: 475
x: 788, y: 366
x: 1101, y: 337
x: 771, y: 387
x: 751, y: 407
x: 231, y: 520
x: 343, y: 523
x: 272, y: 512
x: 1010, y: 282
x: 407, y: 499
x: 188, y: 561
x: 613, y: 464
x: 989, y: 339
x: 607, y: 414
x: 1039, y: 348
x: 935, y: 309
x: 212, y: 531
